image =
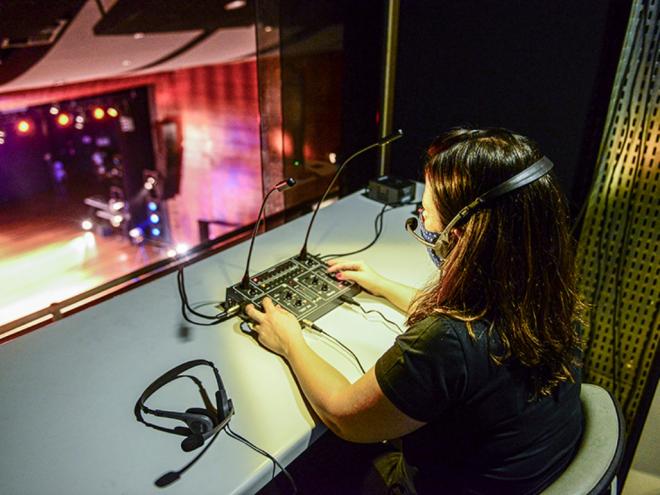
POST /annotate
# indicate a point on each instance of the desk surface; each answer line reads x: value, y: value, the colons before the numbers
x: 67, y: 390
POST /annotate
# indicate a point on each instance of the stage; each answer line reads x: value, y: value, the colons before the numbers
x: 46, y: 257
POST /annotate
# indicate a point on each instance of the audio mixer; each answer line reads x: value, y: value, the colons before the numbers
x: 303, y: 287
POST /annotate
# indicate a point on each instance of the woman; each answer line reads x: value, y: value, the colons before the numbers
x: 484, y: 385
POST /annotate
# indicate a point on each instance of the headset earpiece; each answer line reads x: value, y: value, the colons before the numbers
x: 199, y: 420
x: 192, y: 442
x: 183, y: 431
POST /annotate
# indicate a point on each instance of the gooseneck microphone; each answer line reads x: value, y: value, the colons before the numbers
x: 381, y: 142
x: 280, y: 186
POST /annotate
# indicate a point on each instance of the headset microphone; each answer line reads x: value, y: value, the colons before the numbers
x: 167, y: 478
x: 411, y: 226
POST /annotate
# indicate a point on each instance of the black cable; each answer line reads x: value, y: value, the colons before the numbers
x: 185, y: 305
x: 378, y: 227
x: 314, y: 326
x: 261, y: 451
x: 353, y: 302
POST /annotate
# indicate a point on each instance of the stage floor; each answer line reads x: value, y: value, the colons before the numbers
x: 45, y: 257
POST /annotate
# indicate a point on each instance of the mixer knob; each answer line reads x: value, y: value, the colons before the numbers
x: 324, y: 286
x: 298, y: 303
x: 315, y: 280
x: 252, y: 292
x: 288, y: 294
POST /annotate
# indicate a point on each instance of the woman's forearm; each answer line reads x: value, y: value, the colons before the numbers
x: 321, y: 383
x: 398, y: 294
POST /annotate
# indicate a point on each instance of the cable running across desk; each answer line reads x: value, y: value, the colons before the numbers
x: 315, y: 327
x: 185, y: 305
x: 261, y: 451
x: 378, y: 227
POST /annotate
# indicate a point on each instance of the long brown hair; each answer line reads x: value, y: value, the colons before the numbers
x: 513, y: 264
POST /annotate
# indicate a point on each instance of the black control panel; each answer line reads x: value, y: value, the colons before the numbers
x: 303, y: 287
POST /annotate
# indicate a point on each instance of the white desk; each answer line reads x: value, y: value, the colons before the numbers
x: 67, y: 390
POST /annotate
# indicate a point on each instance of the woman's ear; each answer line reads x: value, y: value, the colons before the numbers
x: 458, y: 233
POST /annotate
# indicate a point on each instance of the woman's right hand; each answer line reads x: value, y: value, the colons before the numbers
x: 358, y: 272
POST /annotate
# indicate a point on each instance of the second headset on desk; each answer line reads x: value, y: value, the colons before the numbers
x: 201, y: 423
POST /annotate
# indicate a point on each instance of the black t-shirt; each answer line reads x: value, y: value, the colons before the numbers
x: 483, y: 434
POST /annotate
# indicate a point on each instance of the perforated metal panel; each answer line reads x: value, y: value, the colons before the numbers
x: 617, y: 254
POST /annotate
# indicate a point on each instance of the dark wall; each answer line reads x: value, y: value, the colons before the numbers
x: 543, y: 69
x: 23, y: 170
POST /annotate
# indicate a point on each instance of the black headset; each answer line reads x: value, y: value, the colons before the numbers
x: 201, y: 423
x: 443, y: 245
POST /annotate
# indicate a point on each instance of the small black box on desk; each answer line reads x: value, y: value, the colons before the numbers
x: 391, y: 190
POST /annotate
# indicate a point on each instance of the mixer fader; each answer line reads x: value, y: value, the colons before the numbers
x: 303, y: 287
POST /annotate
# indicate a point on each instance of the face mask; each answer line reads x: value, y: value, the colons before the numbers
x: 431, y: 237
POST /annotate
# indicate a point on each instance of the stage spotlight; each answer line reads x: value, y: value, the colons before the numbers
x: 155, y: 231
x: 182, y: 248
x: 153, y: 218
x: 171, y: 253
x: 332, y: 158
x: 112, y: 112
x: 235, y: 5
x: 98, y: 113
x: 87, y: 225
x: 152, y: 206
x: 63, y: 120
x: 116, y: 220
x: 54, y: 110
x: 80, y: 119
x: 116, y: 204
x: 136, y: 232
x: 149, y: 183
x: 23, y: 126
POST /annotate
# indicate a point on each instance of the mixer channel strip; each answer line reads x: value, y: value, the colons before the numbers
x: 302, y: 287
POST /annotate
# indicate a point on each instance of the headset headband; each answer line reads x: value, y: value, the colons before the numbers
x: 534, y: 172
x: 167, y: 377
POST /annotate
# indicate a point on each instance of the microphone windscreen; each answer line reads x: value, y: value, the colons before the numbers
x: 391, y: 137
x: 167, y: 478
x: 192, y: 442
x: 411, y: 223
x: 285, y: 184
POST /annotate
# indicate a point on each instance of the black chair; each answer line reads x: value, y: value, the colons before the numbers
x: 593, y: 469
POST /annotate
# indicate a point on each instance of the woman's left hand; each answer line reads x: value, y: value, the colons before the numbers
x: 277, y: 329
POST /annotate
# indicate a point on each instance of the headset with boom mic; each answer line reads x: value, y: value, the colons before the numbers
x: 381, y: 142
x: 443, y: 245
x: 280, y: 186
x: 201, y: 423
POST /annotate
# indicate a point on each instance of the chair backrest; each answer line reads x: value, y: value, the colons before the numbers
x: 593, y: 469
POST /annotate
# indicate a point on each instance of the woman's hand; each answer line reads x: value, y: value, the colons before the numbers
x: 360, y: 273
x: 276, y: 328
